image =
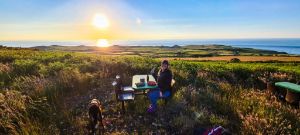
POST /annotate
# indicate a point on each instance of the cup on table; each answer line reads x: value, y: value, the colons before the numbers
x: 142, y: 80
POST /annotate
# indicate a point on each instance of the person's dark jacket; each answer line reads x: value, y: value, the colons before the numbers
x: 164, y: 80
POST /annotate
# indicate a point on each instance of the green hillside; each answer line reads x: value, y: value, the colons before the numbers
x: 47, y: 92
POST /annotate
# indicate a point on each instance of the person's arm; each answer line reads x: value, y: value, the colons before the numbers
x: 152, y: 72
x: 157, y: 75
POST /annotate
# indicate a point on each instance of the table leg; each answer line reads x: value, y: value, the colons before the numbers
x: 117, y: 96
x: 145, y: 93
x: 123, y: 107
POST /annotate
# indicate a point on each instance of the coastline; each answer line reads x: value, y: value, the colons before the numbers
x: 291, y: 45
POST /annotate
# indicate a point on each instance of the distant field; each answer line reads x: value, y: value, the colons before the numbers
x: 243, y: 58
x: 192, y: 51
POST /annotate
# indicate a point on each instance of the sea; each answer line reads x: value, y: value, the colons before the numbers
x: 288, y: 45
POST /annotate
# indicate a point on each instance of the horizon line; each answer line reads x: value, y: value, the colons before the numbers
x: 47, y: 40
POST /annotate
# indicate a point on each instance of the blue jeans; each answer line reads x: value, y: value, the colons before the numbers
x: 154, y: 95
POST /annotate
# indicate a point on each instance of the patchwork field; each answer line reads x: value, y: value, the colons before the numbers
x: 244, y: 58
x: 166, y: 51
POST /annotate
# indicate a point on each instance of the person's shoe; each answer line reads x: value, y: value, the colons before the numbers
x: 151, y: 109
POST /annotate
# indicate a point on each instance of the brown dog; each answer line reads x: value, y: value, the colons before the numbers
x: 95, y: 115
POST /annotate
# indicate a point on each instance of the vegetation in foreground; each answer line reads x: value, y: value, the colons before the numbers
x: 48, y: 92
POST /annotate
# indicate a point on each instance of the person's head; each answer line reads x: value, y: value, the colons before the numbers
x: 164, y: 65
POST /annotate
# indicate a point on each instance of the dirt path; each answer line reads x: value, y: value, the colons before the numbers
x: 135, y: 120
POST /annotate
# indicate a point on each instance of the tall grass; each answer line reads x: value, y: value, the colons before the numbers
x: 21, y: 114
x: 36, y: 84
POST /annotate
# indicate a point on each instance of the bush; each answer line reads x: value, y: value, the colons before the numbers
x: 71, y: 80
x: 5, y: 78
x: 6, y: 59
x: 235, y: 60
x: 30, y: 85
x: 25, y: 67
x: 55, y: 67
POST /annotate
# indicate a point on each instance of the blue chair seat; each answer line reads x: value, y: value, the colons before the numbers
x: 126, y: 96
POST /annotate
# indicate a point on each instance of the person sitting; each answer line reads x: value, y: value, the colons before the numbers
x: 164, y: 80
x: 95, y: 114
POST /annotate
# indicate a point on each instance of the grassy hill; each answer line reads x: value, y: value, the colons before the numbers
x: 47, y: 92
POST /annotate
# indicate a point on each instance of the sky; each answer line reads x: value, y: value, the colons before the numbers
x: 149, y: 19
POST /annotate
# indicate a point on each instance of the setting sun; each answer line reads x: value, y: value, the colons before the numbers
x: 100, y: 21
x: 102, y: 43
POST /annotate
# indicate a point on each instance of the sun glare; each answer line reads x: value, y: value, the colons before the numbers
x: 100, y: 21
x: 103, y: 43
